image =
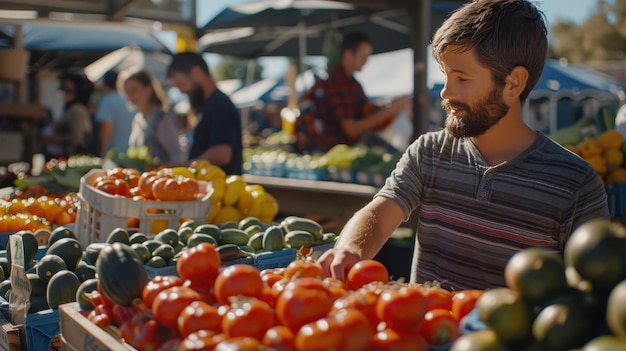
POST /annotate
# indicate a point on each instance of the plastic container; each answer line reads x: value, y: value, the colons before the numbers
x: 100, y: 212
x: 275, y: 259
x: 41, y: 327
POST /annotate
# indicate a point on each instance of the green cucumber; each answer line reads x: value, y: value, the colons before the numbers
x: 292, y: 223
x: 299, y: 238
x: 273, y: 239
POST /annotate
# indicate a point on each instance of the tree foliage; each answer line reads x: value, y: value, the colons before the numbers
x: 237, y: 68
x: 601, y: 37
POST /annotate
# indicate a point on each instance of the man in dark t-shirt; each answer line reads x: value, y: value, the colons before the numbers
x: 217, y: 136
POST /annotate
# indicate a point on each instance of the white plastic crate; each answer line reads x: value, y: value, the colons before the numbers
x: 100, y: 212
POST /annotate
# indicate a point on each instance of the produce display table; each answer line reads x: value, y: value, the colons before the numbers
x: 333, y: 200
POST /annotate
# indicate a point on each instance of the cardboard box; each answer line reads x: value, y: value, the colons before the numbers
x: 100, y: 212
x: 79, y: 334
x: 12, y: 337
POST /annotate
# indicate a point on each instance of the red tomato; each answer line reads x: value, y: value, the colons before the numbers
x: 304, y: 268
x: 239, y: 343
x: 357, y: 330
x: 248, y: 317
x: 320, y: 335
x: 270, y: 278
x: 238, y: 279
x: 122, y: 314
x: 279, y: 338
x: 391, y: 340
x: 189, y: 189
x: 113, y: 187
x: 298, y: 306
x: 463, y: 302
x: 199, y: 315
x: 145, y: 181
x: 175, y: 189
x: 156, y: 285
x: 101, y: 316
x: 202, y: 340
x: 200, y: 262
x: 170, y: 302
x: 144, y: 333
x: 204, y: 287
x: 437, y: 298
x: 105, y: 299
x: 363, y: 301
x: 401, y: 308
x: 365, y: 272
x: 439, y: 327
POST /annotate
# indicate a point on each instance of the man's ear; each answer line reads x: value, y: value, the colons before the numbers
x: 516, y: 82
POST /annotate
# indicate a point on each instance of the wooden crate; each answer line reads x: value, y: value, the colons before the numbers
x: 79, y: 334
x: 12, y: 337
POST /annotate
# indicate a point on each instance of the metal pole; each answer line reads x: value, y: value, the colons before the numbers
x: 419, y: 13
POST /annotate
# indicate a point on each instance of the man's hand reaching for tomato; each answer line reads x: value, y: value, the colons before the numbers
x: 336, y: 263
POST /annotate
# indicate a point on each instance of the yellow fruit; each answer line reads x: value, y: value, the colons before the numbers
x: 210, y: 173
x: 613, y: 158
x: 244, y: 203
x: 255, y: 187
x: 197, y: 164
x: 215, y: 209
x: 183, y: 172
x: 269, y: 209
x: 589, y: 148
x: 611, y: 139
x: 598, y: 163
x: 256, y: 207
x: 234, y: 186
x: 617, y: 175
x: 219, y: 188
x: 226, y: 214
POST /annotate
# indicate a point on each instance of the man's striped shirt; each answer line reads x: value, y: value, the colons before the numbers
x: 474, y: 217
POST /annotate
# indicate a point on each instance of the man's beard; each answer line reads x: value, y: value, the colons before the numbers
x: 196, y: 97
x: 478, y: 119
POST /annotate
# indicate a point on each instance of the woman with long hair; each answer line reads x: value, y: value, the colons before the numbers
x: 71, y: 134
x: 153, y: 125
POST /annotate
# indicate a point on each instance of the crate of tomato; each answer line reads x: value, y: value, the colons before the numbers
x: 148, y: 202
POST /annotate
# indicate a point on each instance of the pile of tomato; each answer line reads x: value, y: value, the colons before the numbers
x: 151, y: 185
x: 209, y: 307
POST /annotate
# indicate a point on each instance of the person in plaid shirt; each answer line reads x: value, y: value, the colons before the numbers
x: 336, y: 110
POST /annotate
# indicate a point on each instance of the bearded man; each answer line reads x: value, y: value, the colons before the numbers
x: 217, y: 135
x: 487, y: 185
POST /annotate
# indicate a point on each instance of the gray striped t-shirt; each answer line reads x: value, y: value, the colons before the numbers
x: 473, y: 217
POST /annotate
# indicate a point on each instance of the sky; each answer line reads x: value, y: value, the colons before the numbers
x: 555, y: 10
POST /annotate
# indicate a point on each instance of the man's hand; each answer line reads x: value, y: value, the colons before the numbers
x: 336, y: 263
x: 401, y: 103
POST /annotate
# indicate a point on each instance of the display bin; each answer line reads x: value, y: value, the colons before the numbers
x: 275, y: 259
x: 101, y: 212
x: 41, y: 328
x: 167, y: 270
x: 79, y: 334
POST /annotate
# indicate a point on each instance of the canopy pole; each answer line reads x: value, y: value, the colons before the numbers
x: 419, y: 13
x: 302, y: 49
